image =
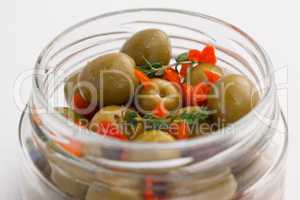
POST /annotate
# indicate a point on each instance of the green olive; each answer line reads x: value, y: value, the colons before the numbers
x: 70, y: 87
x: 197, y: 74
x: 108, y: 80
x: 233, y: 97
x: 116, y: 114
x: 107, y: 114
x: 72, y: 116
x: 154, y: 136
x: 158, y: 91
x: 151, y: 45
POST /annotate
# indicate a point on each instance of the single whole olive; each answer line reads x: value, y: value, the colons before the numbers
x: 151, y: 45
x: 108, y: 80
x: 233, y: 97
x: 107, y: 114
x: 116, y: 115
x: 197, y: 74
x: 158, y: 91
x: 154, y: 136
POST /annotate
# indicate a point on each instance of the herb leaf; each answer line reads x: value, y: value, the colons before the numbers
x: 152, y: 69
x: 156, y: 65
x: 153, y: 123
x: 194, y: 117
x: 131, y: 117
x: 182, y: 57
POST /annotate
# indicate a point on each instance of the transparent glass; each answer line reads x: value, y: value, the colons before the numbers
x: 243, y: 161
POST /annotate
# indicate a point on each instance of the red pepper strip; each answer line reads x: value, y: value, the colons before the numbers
x: 172, y: 76
x: 195, y: 55
x: 143, y: 78
x: 160, y: 110
x: 148, y: 192
x: 109, y: 129
x: 208, y: 55
x: 196, y: 95
x: 180, y: 130
x: 79, y: 103
x: 200, y: 93
x: 183, y: 131
x: 73, y: 147
x: 187, y: 92
x: 212, y: 76
x: 184, y: 69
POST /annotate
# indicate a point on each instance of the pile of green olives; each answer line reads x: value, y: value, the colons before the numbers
x: 139, y: 95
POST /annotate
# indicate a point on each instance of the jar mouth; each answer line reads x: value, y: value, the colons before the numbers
x: 223, y: 134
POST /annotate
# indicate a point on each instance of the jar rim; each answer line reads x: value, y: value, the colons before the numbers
x: 212, y: 138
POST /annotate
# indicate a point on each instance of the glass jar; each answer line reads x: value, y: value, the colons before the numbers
x: 245, y: 160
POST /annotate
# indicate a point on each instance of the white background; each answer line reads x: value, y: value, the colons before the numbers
x: 27, y: 26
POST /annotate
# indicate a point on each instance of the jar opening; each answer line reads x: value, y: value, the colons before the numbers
x: 66, y: 40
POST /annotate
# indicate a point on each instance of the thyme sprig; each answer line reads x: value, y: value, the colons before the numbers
x: 131, y: 117
x: 157, y: 69
x: 182, y: 57
x: 151, y: 122
x: 198, y: 116
x: 152, y: 69
x: 193, y: 118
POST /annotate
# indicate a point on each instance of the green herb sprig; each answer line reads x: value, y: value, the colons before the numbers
x: 151, y: 122
x: 194, y: 117
x: 157, y: 69
x: 183, y: 57
x: 152, y: 70
x: 131, y: 117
